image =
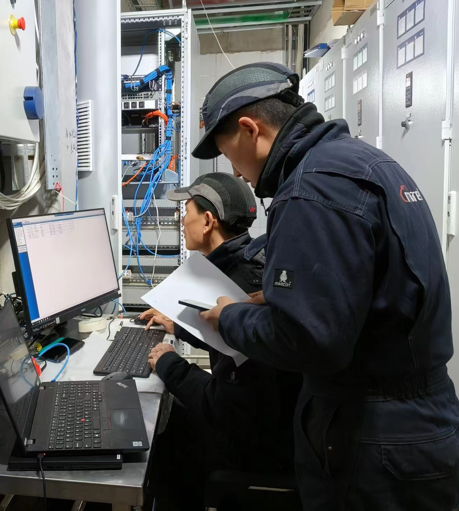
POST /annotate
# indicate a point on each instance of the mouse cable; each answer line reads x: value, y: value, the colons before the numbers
x: 43, y: 480
x: 109, y: 325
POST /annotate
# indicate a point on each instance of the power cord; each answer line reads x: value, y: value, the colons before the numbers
x: 43, y: 480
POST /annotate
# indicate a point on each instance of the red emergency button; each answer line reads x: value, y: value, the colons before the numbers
x: 16, y: 24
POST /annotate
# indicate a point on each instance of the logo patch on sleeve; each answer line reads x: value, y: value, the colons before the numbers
x: 284, y: 278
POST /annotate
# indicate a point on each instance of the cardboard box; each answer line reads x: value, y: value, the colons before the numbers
x: 347, y: 12
x: 357, y: 5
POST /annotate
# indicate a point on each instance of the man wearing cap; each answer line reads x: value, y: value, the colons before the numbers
x: 236, y: 417
x: 356, y: 298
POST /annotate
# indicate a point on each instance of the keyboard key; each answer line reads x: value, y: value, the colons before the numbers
x: 78, y: 445
x: 87, y: 443
x: 60, y: 446
x: 69, y: 445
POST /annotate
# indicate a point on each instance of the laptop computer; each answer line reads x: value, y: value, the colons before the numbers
x: 65, y: 418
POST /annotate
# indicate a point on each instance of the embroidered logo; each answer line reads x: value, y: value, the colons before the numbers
x: 232, y: 378
x: 284, y: 278
x: 410, y: 196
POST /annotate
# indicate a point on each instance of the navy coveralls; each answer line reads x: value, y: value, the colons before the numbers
x: 358, y: 301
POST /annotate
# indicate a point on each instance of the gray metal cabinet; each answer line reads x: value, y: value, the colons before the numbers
x: 331, y: 76
x: 414, y: 93
x: 362, y: 78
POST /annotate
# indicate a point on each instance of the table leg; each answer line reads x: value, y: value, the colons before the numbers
x: 6, y: 502
x: 78, y: 505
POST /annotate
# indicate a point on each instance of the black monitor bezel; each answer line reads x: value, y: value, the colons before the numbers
x: 72, y: 312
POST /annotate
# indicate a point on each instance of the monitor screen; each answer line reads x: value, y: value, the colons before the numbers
x: 65, y: 264
x: 18, y: 378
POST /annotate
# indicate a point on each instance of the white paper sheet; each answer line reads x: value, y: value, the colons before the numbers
x: 200, y: 280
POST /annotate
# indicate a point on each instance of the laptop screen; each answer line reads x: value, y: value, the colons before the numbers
x: 18, y: 378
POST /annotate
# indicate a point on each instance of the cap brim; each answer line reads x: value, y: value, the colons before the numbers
x: 207, y: 149
x: 179, y: 194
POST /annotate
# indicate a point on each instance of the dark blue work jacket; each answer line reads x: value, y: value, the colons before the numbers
x: 356, y: 289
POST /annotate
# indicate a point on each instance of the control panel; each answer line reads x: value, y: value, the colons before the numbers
x: 21, y: 101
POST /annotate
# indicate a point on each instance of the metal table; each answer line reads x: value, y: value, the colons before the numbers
x: 120, y: 488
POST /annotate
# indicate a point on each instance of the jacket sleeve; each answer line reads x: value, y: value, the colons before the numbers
x: 185, y: 336
x: 315, y: 312
x: 188, y: 382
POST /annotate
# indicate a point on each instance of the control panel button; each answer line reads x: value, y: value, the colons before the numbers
x: 16, y: 24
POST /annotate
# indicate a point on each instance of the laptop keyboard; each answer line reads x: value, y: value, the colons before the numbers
x: 76, y: 416
x: 129, y: 352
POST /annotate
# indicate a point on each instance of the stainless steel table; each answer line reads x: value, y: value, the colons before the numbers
x: 120, y: 488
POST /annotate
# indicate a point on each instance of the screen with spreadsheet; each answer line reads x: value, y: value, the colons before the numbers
x: 65, y: 263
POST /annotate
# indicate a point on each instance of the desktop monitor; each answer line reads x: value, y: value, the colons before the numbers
x: 64, y: 265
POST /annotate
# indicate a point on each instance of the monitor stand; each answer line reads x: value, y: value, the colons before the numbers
x: 69, y: 330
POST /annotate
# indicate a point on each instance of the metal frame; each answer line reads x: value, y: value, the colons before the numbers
x: 288, y: 21
x: 184, y: 18
x: 251, y: 8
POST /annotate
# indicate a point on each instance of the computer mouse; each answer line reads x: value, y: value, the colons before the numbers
x: 117, y: 376
x: 140, y: 322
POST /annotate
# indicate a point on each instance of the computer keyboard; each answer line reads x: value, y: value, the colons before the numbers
x: 129, y: 352
x: 76, y: 416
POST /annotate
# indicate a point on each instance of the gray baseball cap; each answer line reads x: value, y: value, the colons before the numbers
x: 232, y: 199
x: 242, y: 87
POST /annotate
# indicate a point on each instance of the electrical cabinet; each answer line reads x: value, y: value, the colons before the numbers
x: 362, y: 77
x: 18, y: 69
x: 159, y: 128
x: 311, y: 88
x: 145, y: 124
x: 452, y: 254
x: 331, y: 76
x: 414, y: 100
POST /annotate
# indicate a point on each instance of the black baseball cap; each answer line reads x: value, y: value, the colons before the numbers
x: 240, y: 88
x: 229, y: 198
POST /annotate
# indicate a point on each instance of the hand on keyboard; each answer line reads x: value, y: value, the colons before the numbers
x: 157, y: 352
x: 157, y: 318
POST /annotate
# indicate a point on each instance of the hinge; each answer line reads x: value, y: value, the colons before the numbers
x: 452, y: 213
x: 380, y: 18
x: 379, y: 143
x: 446, y: 130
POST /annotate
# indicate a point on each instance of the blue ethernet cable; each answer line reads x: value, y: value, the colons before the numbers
x: 119, y: 304
x: 44, y: 350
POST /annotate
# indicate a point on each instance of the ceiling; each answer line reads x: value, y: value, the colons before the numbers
x: 237, y: 13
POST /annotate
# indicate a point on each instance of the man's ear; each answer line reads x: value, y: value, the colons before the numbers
x: 249, y: 127
x: 209, y: 221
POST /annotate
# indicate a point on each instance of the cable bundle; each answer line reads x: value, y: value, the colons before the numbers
x: 153, y: 171
x: 32, y: 186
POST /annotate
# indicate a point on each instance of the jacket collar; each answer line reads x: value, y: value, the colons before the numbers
x: 304, y: 129
x: 226, y: 254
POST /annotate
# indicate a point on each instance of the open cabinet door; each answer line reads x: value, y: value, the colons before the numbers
x: 98, y: 74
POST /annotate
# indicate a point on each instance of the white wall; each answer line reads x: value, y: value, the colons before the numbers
x: 322, y: 29
x: 213, y: 67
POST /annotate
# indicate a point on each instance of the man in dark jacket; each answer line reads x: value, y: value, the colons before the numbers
x: 356, y: 297
x: 236, y: 417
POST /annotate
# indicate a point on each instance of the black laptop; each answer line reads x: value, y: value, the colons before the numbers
x: 65, y: 418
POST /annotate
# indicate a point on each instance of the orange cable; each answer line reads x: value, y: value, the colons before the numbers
x: 135, y: 175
